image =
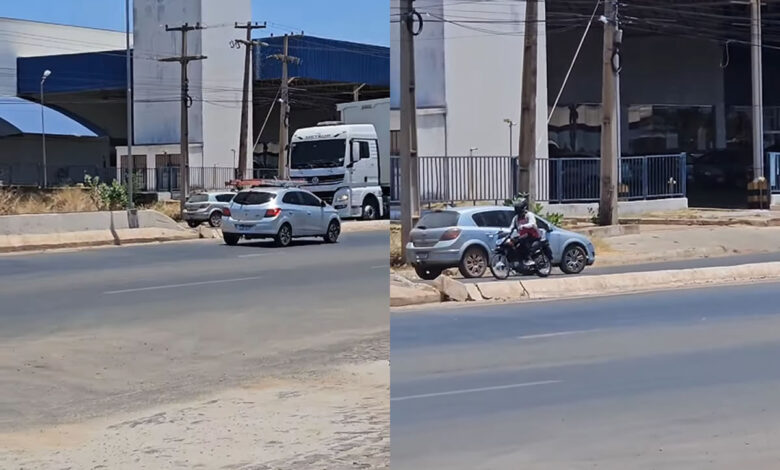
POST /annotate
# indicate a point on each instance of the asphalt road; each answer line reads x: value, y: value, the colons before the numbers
x: 87, y: 332
x: 682, y: 379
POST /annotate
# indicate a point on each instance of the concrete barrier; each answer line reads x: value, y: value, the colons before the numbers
x: 90, y: 238
x: 81, y: 222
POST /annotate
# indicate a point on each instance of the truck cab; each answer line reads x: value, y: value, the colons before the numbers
x: 340, y: 164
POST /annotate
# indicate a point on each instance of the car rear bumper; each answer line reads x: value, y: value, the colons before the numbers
x: 201, y: 216
x: 432, y: 256
x: 250, y: 228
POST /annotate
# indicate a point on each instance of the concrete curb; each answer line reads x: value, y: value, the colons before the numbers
x: 90, y: 238
x: 355, y: 226
x: 608, y: 231
x: 769, y: 222
x: 582, y: 286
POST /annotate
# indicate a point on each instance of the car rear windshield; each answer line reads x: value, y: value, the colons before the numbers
x: 438, y: 220
x: 198, y: 198
x: 252, y: 198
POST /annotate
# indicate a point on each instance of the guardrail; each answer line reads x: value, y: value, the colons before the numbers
x: 558, y: 180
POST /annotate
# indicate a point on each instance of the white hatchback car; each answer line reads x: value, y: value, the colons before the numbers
x: 281, y: 213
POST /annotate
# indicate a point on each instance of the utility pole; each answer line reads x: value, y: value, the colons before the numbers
x: 527, y: 156
x: 610, y: 124
x: 249, y: 44
x: 132, y: 215
x: 186, y: 102
x: 410, y: 196
x: 284, y: 109
x: 758, y: 92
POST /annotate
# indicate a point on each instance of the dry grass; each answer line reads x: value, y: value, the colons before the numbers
x: 170, y: 208
x: 396, y: 259
x: 61, y: 200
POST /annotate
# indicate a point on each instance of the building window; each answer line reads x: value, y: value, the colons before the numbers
x: 575, y: 129
x: 654, y: 129
x: 394, y: 144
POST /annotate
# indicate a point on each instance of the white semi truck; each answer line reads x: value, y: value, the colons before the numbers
x: 347, y: 163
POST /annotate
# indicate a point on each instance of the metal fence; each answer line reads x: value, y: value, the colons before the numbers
x: 161, y: 179
x: 774, y: 172
x: 558, y: 180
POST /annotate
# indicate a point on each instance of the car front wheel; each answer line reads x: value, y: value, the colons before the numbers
x: 334, y: 230
x: 573, y: 260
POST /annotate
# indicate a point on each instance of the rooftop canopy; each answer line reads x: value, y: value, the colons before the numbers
x: 19, y: 116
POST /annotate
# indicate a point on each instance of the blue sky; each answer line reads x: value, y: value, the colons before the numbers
x: 349, y: 20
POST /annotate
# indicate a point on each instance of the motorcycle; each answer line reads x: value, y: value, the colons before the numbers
x: 506, y: 259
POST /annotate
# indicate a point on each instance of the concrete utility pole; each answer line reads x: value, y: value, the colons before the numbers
x: 249, y: 45
x: 610, y: 124
x: 284, y: 109
x: 758, y: 92
x: 410, y: 196
x: 186, y: 102
x: 527, y: 156
x: 132, y: 215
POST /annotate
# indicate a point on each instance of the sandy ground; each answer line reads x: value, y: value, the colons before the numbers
x: 333, y: 419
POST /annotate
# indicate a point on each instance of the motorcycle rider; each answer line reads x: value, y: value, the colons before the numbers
x: 525, y: 231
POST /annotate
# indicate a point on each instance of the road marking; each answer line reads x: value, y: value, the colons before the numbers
x: 560, y: 333
x: 475, y: 390
x: 186, y: 284
x: 254, y: 255
x: 386, y: 266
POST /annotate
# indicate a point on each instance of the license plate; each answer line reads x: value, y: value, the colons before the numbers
x: 243, y: 227
x: 422, y: 255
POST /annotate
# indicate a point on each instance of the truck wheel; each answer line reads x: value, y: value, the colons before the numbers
x: 370, y: 209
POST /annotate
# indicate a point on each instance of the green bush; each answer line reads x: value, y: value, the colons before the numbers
x: 110, y: 197
x: 554, y: 218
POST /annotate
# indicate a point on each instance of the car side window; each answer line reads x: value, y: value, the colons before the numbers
x: 506, y: 218
x: 292, y: 198
x: 310, y: 199
x: 488, y: 219
x: 365, y: 152
x: 224, y: 197
x: 479, y: 219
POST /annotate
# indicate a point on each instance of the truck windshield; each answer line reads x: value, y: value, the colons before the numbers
x: 328, y: 153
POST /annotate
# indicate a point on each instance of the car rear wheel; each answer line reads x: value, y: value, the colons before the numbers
x: 473, y: 263
x: 215, y: 220
x: 231, y: 238
x: 427, y: 273
x: 284, y: 236
x: 193, y: 223
x: 573, y: 260
x: 334, y: 230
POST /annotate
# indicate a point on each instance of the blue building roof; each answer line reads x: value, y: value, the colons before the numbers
x: 325, y: 60
x: 91, y: 71
x: 19, y: 116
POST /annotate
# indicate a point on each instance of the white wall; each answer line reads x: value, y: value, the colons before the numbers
x: 20, y: 38
x: 223, y: 78
x: 484, y: 80
x: 215, y: 83
x: 156, y: 84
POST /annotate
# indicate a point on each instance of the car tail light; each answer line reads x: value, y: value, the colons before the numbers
x: 226, y: 212
x: 273, y: 212
x: 450, y: 234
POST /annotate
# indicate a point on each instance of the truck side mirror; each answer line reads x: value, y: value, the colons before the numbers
x: 354, y: 156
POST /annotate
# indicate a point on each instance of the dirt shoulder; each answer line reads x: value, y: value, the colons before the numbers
x: 337, y: 419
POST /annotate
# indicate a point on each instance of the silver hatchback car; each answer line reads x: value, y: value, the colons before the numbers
x: 206, y: 207
x: 464, y: 238
x: 281, y: 213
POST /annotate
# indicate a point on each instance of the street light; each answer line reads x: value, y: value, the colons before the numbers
x: 471, y: 151
x: 511, y: 125
x: 46, y: 74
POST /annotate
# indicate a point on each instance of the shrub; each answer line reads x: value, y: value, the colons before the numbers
x: 106, y: 197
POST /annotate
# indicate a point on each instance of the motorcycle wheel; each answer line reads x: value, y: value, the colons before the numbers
x: 499, y: 266
x: 543, y: 265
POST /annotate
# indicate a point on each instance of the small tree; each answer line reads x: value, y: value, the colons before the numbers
x: 106, y: 197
